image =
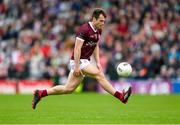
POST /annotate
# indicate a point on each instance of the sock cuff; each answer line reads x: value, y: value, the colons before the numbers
x: 116, y: 94
x: 44, y: 93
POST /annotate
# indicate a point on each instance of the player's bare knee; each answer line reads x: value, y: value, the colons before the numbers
x: 99, y: 76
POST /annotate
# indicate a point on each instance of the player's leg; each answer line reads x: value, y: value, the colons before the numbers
x: 94, y: 72
x: 69, y: 87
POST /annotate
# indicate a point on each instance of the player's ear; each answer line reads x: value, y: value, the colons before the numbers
x: 94, y: 19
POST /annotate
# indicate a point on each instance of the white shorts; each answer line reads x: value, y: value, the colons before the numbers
x: 83, y: 64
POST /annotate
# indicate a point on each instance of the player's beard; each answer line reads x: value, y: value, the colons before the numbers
x: 100, y: 26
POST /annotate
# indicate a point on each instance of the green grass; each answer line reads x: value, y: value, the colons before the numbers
x: 90, y: 108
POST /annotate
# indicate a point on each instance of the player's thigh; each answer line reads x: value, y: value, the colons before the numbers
x: 91, y: 71
x: 73, y: 81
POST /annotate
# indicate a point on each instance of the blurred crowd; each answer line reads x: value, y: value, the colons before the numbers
x: 37, y: 37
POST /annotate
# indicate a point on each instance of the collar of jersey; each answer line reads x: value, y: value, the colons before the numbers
x: 90, y: 23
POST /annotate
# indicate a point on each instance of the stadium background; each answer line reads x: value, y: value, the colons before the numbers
x: 37, y: 38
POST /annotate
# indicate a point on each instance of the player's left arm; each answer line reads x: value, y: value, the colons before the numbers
x: 96, y: 57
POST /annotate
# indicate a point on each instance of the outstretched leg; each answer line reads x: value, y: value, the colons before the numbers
x: 69, y: 87
x: 94, y: 72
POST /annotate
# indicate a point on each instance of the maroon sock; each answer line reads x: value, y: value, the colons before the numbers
x: 118, y: 95
x: 43, y: 93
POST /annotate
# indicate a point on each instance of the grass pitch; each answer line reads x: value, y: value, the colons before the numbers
x: 90, y: 108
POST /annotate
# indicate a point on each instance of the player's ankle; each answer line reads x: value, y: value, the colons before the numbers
x: 118, y: 95
x: 43, y: 93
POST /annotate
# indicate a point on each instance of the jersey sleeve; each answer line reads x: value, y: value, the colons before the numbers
x: 82, y: 33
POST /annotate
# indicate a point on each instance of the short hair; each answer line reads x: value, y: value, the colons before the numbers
x: 97, y: 12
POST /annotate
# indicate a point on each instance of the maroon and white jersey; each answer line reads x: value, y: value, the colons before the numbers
x: 90, y: 36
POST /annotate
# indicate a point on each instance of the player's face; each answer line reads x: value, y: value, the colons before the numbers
x: 99, y: 23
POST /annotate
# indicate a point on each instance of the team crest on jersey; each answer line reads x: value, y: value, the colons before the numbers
x: 94, y: 36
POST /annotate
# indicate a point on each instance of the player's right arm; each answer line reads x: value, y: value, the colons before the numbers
x: 77, y: 54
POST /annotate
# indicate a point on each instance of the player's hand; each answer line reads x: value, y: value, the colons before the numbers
x: 99, y: 66
x: 77, y: 72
